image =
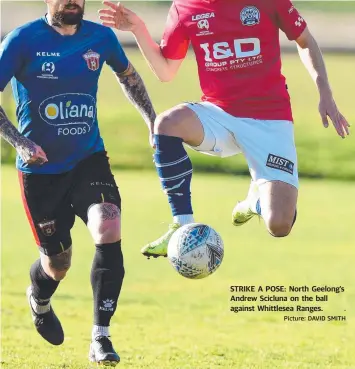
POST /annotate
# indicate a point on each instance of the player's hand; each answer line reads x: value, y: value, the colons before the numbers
x: 119, y: 17
x: 328, y: 108
x: 31, y: 153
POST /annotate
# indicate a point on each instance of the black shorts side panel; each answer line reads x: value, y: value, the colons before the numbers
x: 49, y: 212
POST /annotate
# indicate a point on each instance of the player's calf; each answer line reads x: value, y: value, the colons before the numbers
x: 39, y: 294
x: 107, y: 274
x: 277, y: 206
x: 278, y: 225
x: 172, y: 128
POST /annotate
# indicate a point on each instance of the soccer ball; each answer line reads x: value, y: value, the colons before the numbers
x: 195, y: 250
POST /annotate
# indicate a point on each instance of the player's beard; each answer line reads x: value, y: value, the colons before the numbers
x: 65, y: 18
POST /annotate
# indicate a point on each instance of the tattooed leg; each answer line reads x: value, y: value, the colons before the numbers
x: 104, y: 223
x: 56, y: 266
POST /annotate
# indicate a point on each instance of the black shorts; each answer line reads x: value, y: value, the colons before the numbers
x: 51, y: 201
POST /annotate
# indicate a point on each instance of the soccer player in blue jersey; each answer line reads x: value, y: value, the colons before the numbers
x: 54, y: 64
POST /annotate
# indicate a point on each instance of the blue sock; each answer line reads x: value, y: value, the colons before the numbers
x: 174, y: 168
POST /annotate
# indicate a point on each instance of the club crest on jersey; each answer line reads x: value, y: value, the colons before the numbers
x: 250, y: 16
x: 92, y: 60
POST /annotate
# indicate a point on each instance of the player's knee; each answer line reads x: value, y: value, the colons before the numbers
x: 104, y: 223
x: 166, y: 124
x: 278, y: 225
x: 108, y: 234
x: 57, y: 266
x: 171, y: 122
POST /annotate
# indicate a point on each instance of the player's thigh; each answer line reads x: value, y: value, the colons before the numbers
x: 45, y: 199
x: 96, y: 199
x: 278, y: 201
x: 269, y: 148
x: 48, y: 211
x: 218, y: 139
x: 180, y: 121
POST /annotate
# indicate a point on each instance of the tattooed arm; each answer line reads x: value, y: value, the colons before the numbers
x: 134, y: 89
x: 28, y: 150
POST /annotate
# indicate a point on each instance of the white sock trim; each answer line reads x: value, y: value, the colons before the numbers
x: 184, y: 219
x: 39, y: 309
x: 99, y: 330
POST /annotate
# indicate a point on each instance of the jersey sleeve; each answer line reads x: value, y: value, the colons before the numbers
x: 117, y: 58
x: 289, y: 19
x: 175, y: 42
x: 11, y: 57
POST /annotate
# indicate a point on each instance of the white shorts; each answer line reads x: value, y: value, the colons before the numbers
x: 268, y: 145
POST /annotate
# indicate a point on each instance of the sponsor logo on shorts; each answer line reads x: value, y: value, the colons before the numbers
x: 48, y: 228
x: 102, y: 184
x: 277, y: 162
x: 250, y: 16
x: 72, y: 113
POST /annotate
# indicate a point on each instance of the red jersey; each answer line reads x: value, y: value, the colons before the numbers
x: 237, y: 48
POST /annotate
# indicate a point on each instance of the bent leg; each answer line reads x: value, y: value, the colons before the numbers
x: 269, y: 148
x: 278, y: 201
x: 199, y: 125
x: 172, y: 128
x: 51, y: 219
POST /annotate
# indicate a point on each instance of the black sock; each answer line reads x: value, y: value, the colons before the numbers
x: 43, y: 286
x: 107, y: 275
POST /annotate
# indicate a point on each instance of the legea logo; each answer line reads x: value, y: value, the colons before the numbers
x: 72, y: 113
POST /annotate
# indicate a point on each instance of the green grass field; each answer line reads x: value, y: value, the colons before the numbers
x: 321, y: 152
x: 163, y: 320
x: 167, y: 322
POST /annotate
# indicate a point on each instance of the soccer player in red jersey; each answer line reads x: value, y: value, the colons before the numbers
x: 245, y: 106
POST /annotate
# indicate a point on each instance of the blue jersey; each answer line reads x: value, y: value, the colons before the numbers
x: 54, y: 80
